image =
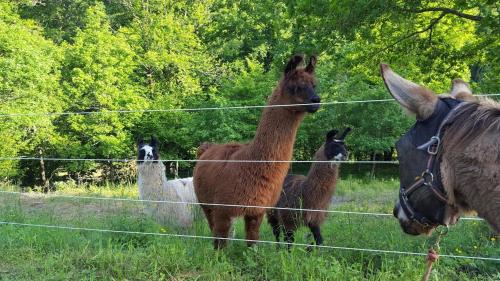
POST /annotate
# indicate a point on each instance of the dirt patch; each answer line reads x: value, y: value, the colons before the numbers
x: 69, y: 208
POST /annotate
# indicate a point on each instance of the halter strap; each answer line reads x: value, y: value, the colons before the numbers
x: 427, y: 178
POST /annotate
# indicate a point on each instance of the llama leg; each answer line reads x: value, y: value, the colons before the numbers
x: 208, y: 215
x: 289, y: 238
x: 221, y: 227
x: 316, y: 231
x: 276, y: 227
x: 252, y: 225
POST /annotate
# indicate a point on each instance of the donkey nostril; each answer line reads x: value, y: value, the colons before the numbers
x: 315, y: 99
x: 395, y: 211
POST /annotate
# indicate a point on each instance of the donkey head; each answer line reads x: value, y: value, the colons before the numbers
x: 334, y: 147
x: 426, y: 210
x: 299, y: 85
x: 147, y: 151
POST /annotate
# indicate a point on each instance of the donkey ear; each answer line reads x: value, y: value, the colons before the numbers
x: 460, y: 90
x: 330, y: 136
x: 311, y: 65
x: 293, y: 63
x: 414, y: 98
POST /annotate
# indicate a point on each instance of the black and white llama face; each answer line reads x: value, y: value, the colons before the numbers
x: 147, y: 151
x: 335, y: 147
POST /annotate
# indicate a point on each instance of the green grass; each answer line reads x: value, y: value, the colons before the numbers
x: 31, y: 253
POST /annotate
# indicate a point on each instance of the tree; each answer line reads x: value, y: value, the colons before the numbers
x: 29, y: 71
x: 97, y: 77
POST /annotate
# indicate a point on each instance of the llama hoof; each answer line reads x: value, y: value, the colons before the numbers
x: 309, y: 248
x: 219, y: 244
x: 312, y: 247
x: 251, y: 244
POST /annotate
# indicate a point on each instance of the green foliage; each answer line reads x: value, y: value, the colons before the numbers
x: 29, y: 75
x: 97, y: 77
x: 97, y: 56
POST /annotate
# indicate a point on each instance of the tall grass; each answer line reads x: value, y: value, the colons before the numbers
x: 31, y: 253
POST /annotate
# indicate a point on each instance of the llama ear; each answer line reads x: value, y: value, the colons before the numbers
x: 293, y: 63
x: 153, y: 141
x: 344, y: 134
x: 460, y: 90
x: 312, y: 64
x: 139, y: 141
x: 414, y: 98
x: 330, y: 136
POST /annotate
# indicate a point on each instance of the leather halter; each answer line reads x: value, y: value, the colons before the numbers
x: 431, y: 177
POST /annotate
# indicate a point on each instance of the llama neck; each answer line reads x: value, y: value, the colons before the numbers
x: 275, y: 135
x: 322, y: 176
x: 151, y: 180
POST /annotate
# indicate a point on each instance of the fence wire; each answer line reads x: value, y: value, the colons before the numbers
x: 215, y: 204
x: 197, y: 160
x: 199, y: 108
x: 495, y: 259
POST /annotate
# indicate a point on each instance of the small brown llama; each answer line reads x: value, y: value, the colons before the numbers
x: 256, y: 184
x: 464, y: 175
x: 312, y: 192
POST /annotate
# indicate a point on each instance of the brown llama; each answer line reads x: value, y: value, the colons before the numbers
x: 256, y: 184
x: 312, y: 192
x: 450, y: 159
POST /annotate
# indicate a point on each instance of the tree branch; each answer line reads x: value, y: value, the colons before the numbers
x: 429, y: 27
x: 447, y: 11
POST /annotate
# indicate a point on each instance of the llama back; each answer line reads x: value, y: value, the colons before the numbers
x: 202, y: 148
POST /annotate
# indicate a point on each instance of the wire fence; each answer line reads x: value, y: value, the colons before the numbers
x: 495, y: 259
x: 78, y: 197
x: 124, y: 111
x: 198, y: 160
x: 72, y: 228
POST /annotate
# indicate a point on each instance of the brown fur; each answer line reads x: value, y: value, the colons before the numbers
x: 460, y: 90
x: 312, y: 192
x: 202, y: 148
x: 471, y: 160
x: 257, y: 184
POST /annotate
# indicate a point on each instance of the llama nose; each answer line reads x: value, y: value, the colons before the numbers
x: 315, y: 99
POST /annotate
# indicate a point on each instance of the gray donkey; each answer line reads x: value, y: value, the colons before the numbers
x: 450, y: 159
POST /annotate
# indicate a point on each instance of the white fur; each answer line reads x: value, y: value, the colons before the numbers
x: 153, y: 185
x: 148, y: 152
x: 401, y: 214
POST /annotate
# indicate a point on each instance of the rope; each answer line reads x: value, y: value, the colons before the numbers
x: 215, y: 204
x: 433, y: 252
x: 200, y: 108
x: 244, y: 240
x: 197, y: 160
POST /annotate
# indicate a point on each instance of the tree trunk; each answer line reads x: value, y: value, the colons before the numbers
x: 372, y: 173
x: 43, y: 176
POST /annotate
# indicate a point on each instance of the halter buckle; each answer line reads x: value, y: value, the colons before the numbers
x: 433, y: 148
x: 428, y: 177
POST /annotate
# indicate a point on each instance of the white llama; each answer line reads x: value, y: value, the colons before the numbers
x: 153, y: 185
